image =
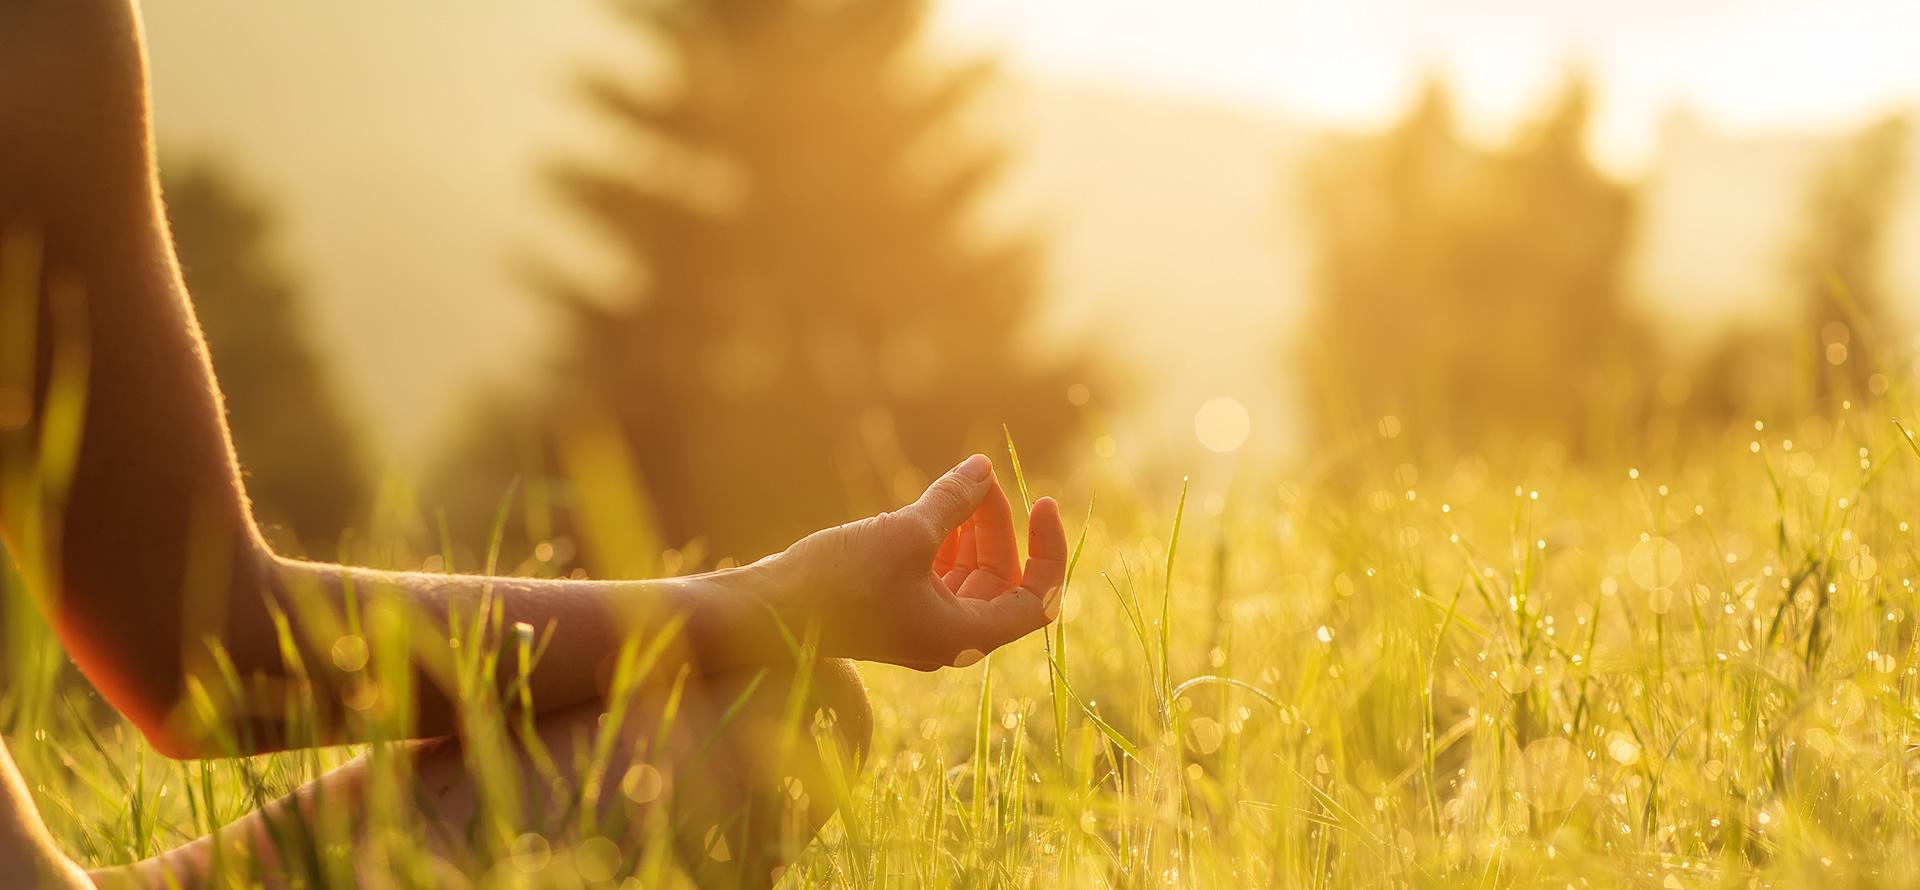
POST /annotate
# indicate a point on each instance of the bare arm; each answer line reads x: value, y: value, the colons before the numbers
x: 137, y: 534
x: 149, y: 550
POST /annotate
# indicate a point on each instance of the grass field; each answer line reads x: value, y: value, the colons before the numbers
x: 1695, y: 672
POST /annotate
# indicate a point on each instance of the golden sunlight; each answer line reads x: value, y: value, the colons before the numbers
x: 959, y: 443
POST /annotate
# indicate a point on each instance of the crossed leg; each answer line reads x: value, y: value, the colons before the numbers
x: 27, y: 852
x: 733, y: 765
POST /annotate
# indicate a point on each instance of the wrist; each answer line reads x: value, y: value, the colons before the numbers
x: 730, y: 616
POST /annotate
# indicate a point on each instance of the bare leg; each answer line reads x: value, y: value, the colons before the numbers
x: 25, y: 848
x: 739, y: 794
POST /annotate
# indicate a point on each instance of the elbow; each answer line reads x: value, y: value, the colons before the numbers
x: 158, y: 715
x: 177, y: 730
x: 160, y: 712
x: 172, y: 744
x: 146, y: 686
x: 148, y: 656
x: 183, y: 728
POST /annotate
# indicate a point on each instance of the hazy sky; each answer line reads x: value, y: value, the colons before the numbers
x: 1746, y: 63
x: 400, y: 143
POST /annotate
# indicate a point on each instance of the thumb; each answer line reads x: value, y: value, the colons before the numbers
x: 952, y: 497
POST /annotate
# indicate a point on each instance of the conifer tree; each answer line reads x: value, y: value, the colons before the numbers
x: 1840, y: 262
x: 1473, y: 295
x: 810, y: 318
x: 1842, y: 339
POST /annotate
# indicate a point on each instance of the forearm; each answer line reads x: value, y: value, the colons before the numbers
x: 256, y: 653
x: 454, y: 637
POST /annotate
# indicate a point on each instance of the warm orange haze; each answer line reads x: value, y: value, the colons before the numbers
x: 1413, y: 443
x: 1129, y: 125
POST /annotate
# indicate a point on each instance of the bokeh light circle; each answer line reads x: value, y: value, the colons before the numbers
x: 1222, y: 424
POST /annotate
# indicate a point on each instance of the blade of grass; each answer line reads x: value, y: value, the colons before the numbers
x: 1166, y: 608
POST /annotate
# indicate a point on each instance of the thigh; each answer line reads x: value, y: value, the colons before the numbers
x: 731, y: 774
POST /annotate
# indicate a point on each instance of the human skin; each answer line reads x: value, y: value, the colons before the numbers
x: 140, y: 545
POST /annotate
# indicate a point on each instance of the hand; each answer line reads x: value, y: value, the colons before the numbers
x: 936, y: 583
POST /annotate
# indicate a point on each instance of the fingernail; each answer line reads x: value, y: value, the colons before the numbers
x: 977, y: 468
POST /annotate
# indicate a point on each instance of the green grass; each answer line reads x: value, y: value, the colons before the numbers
x: 1696, y: 672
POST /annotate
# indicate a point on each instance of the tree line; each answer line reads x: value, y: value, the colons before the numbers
x: 810, y: 318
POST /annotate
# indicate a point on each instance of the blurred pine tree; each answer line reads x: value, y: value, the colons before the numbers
x: 809, y: 319
x: 301, y: 458
x: 1840, y: 263
x: 1845, y: 339
x: 1473, y: 295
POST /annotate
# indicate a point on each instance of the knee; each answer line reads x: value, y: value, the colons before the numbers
x: 842, y: 697
x: 827, y: 702
x: 789, y: 740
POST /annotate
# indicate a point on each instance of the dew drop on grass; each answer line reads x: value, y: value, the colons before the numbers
x: 1820, y: 741
x: 1514, y: 679
x: 1655, y: 563
x: 1206, y: 735
x: 642, y: 783
x: 1555, y: 773
x: 360, y: 695
x: 716, y: 843
x: 350, y: 653
x: 531, y: 853
x: 597, y: 859
x: 1862, y: 566
x: 1622, y: 748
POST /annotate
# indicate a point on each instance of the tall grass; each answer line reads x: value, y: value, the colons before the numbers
x: 1692, y: 672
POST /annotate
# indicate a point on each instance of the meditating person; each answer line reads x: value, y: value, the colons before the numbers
x: 123, y: 506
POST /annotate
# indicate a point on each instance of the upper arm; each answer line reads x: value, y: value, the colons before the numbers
x: 119, y: 495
